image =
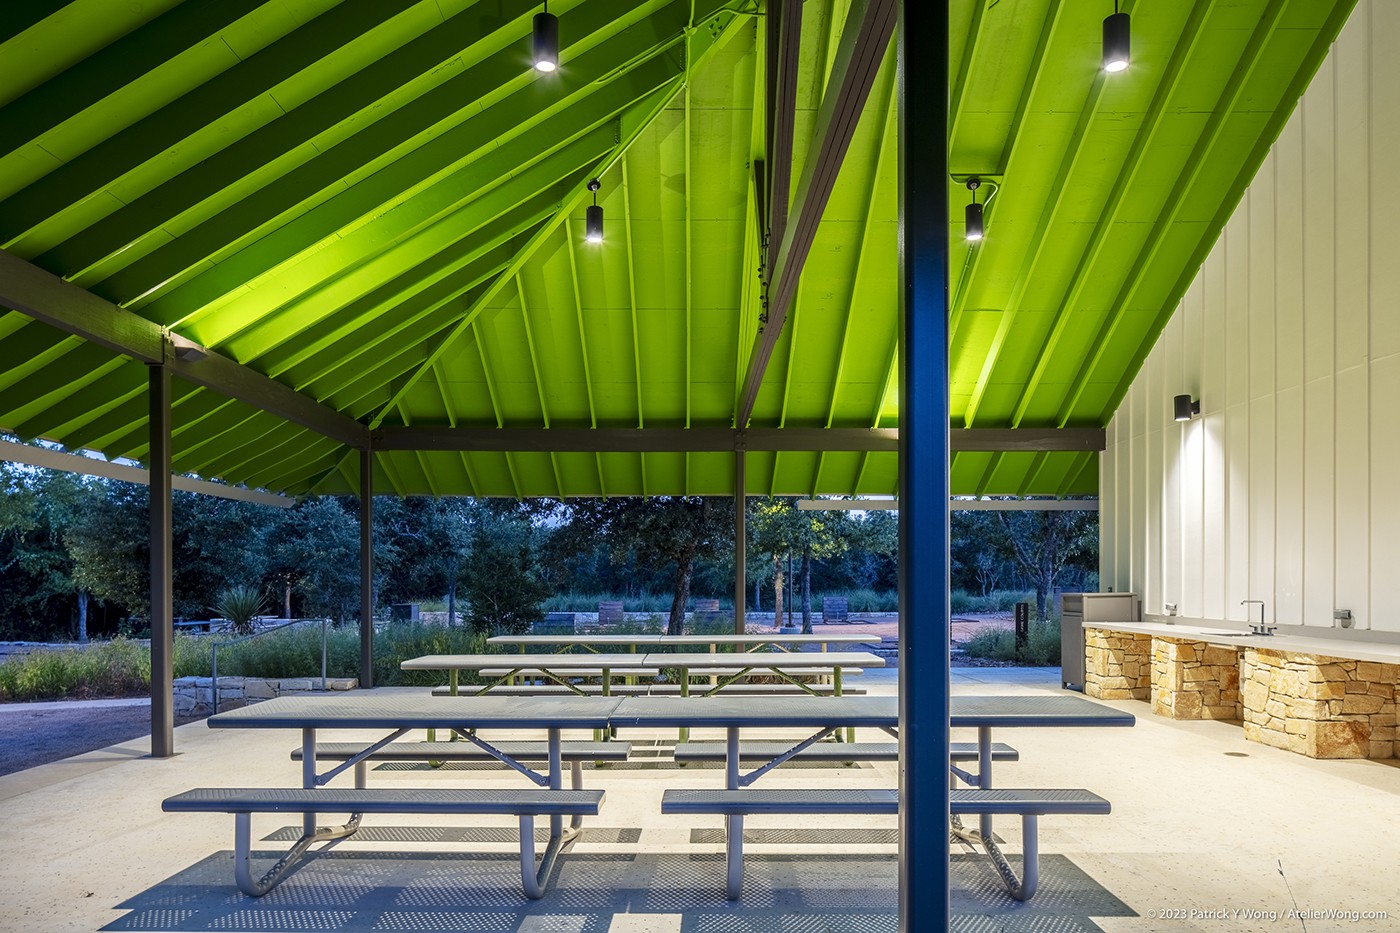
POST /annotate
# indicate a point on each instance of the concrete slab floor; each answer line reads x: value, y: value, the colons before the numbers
x: 1201, y: 822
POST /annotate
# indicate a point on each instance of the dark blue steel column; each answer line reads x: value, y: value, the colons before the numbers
x: 923, y: 466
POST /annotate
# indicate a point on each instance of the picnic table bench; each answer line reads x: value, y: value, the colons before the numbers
x: 398, y: 714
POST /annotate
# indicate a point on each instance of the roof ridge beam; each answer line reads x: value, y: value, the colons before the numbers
x: 869, y: 25
x: 45, y: 297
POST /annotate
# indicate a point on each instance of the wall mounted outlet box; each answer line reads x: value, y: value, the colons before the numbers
x: 1342, y: 617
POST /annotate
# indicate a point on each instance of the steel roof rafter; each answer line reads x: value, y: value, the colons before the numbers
x: 1186, y: 180
x: 255, y: 154
x: 863, y: 42
x: 539, y: 380
x: 1009, y: 148
x: 197, y: 110
x: 1292, y: 94
x: 1048, y: 213
x: 1166, y: 89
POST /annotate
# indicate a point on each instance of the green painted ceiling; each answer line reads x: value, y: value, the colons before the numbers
x: 379, y: 204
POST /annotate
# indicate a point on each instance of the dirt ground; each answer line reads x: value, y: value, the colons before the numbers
x: 35, y: 737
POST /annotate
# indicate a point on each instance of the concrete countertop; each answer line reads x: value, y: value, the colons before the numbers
x: 1301, y: 644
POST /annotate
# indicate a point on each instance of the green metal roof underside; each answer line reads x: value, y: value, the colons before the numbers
x: 380, y: 205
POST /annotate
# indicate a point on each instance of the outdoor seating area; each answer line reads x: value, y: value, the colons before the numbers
x: 634, y: 867
x: 854, y: 439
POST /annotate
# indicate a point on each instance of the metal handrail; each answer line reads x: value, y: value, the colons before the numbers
x: 214, y: 656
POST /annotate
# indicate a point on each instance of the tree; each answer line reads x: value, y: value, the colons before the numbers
x: 430, y: 536
x: 657, y: 532
x: 316, y: 547
x: 1042, y: 542
x: 503, y: 592
x: 780, y: 527
x: 37, y: 586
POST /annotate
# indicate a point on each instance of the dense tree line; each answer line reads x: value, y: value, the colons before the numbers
x: 74, y: 560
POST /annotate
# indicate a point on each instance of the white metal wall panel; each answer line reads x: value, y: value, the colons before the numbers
x: 1287, y: 489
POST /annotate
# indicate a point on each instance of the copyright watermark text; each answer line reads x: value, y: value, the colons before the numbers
x: 1267, y: 916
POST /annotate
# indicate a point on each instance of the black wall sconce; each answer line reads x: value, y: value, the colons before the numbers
x: 1185, y: 407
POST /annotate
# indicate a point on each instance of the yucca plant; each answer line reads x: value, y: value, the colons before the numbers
x: 240, y: 605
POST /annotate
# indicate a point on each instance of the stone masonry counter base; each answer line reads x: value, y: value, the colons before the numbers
x: 1117, y: 665
x: 1194, y: 680
x: 1319, y: 706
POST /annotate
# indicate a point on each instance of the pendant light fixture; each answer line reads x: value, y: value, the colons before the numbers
x: 593, y: 228
x: 546, y: 41
x: 972, y: 227
x: 1116, y: 35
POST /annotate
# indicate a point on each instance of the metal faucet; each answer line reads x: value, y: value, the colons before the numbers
x: 1263, y: 628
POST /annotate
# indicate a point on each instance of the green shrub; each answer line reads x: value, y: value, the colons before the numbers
x: 241, y: 605
x: 995, y: 601
x: 115, y: 669
x: 999, y: 644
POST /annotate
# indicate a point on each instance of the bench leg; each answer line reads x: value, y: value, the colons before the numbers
x: 243, y: 853
x: 1023, y: 888
x: 536, y: 881
x: 734, y: 861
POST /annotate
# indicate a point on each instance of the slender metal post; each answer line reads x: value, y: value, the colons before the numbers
x: 984, y: 774
x: 923, y: 466
x: 162, y: 569
x: 556, y: 781
x: 308, y: 775
x: 740, y: 543
x: 323, y: 655
x: 366, y: 568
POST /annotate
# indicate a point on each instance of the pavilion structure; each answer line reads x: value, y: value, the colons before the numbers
x: 319, y: 247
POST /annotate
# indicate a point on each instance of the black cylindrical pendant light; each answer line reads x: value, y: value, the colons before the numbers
x: 546, y: 41
x: 1116, y: 36
x: 972, y: 223
x: 593, y: 225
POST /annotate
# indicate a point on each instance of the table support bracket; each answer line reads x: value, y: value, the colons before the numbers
x: 540, y: 780
x: 324, y: 779
x: 746, y: 779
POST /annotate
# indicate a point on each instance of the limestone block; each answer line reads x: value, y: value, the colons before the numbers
x: 1308, y: 709
x: 1382, y: 733
x: 1276, y: 707
x: 1326, y: 690
x: 1331, y: 672
x: 1340, y: 740
x: 1357, y: 686
x: 1255, y: 694
x: 1287, y: 682
x: 1253, y: 732
x: 1198, y: 674
x: 1389, y: 673
x: 1161, y: 704
x: 1222, y: 657
x: 1382, y: 749
x: 1380, y: 690
x: 1114, y: 683
x: 230, y: 683
x: 184, y: 703
x: 1361, y: 703
x: 1131, y: 669
x: 297, y: 685
x: 255, y: 688
x: 1187, y: 706
x: 1117, y: 694
x: 343, y: 683
x: 1219, y: 712
x: 1368, y: 670
x: 1098, y: 663
x: 185, y: 682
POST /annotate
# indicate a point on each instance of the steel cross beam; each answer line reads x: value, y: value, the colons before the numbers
x: 45, y: 297
x: 784, y: 39
x: 720, y: 440
x: 869, y: 24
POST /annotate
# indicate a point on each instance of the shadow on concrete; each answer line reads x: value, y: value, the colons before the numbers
x: 345, y: 890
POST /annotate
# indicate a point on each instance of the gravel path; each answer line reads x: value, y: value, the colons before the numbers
x: 39, y: 736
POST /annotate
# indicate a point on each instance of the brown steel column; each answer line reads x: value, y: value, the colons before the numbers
x: 162, y: 569
x: 740, y: 543
x: 366, y: 568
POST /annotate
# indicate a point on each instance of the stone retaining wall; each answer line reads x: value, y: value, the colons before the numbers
x: 193, y: 697
x: 1194, y: 680
x: 1319, y: 706
x: 1117, y: 665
